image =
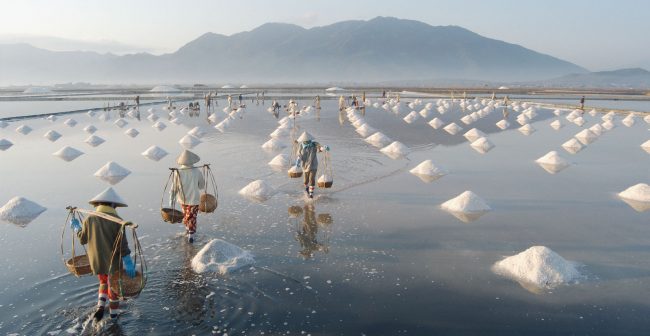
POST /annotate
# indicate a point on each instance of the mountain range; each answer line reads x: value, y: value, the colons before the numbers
x: 380, y: 49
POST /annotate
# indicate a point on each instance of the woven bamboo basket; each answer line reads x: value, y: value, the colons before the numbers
x: 130, y: 286
x: 295, y: 211
x: 326, y: 184
x: 295, y: 174
x: 207, y: 203
x: 79, y: 265
x: 171, y: 216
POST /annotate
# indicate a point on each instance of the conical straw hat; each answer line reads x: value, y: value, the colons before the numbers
x: 108, y: 196
x: 187, y: 158
x: 305, y: 136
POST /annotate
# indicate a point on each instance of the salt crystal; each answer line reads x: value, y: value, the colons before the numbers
x: 155, y: 153
x: 538, y: 266
x: 273, y: 144
x: 280, y: 160
x: 52, y: 135
x: 473, y: 134
x: 159, y: 125
x: 20, y: 211
x: 436, y: 123
x: 112, y: 173
x: 189, y: 141
x: 24, y: 129
x: 5, y: 144
x: 395, y: 150
x: 67, y: 153
x: 90, y: 129
x: 453, y: 128
x: 258, y: 190
x: 482, y: 145
x: 70, y: 122
x: 132, y: 132
x: 94, y: 140
x: 221, y: 257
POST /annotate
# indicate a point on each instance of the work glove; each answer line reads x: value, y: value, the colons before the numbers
x: 298, y: 162
x: 129, y: 266
x: 327, y: 148
x: 75, y: 225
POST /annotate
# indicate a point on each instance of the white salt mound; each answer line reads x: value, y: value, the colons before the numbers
x: 411, y: 117
x: 639, y: 193
x: 453, y: 128
x: 646, y: 146
x: 189, y: 141
x: 273, y: 144
x: 155, y: 153
x: 396, y: 148
x: 90, y: 129
x: 365, y: 130
x: 482, y: 145
x: 24, y: 129
x: 152, y: 117
x: 112, y: 173
x: 5, y: 144
x: 132, y: 132
x: 221, y: 257
x: 436, y: 123
x: 586, y: 136
x: 279, y: 133
x: 159, y: 125
x: 280, y: 160
x: 503, y: 124
x: 467, y: 202
x: 67, y: 153
x: 51, y: 118
x: 572, y: 146
x: 378, y: 139
x: 70, y: 122
x: 20, y: 211
x: 258, y: 189
x: 94, y: 140
x: 325, y: 178
x: 427, y: 168
x: 197, y: 132
x: 473, y: 134
x: 539, y: 266
x: 52, y: 135
x: 120, y: 123
x: 553, y: 158
x: 527, y: 129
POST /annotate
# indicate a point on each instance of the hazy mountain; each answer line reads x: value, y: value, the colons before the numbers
x: 381, y: 49
x: 63, y: 44
x: 636, y: 78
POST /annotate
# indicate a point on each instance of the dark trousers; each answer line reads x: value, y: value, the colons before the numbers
x: 309, y: 178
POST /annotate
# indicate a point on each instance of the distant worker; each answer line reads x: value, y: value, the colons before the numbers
x: 582, y: 103
x: 100, y: 235
x: 307, y: 150
x: 317, y: 102
x: 341, y: 103
x: 229, y: 101
x: 240, y: 99
x: 137, y: 102
x: 186, y: 188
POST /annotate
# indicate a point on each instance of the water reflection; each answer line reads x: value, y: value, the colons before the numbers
x: 307, y: 231
x: 188, y: 290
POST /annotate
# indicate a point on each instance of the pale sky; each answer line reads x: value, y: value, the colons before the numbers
x: 596, y: 34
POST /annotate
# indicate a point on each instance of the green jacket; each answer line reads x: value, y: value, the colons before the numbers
x: 99, y: 235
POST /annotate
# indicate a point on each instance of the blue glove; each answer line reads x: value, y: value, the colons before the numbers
x: 75, y: 225
x: 327, y: 148
x: 129, y: 267
x: 298, y: 162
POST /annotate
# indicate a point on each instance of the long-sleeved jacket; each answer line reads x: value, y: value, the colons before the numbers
x: 192, y: 181
x: 307, y: 154
x: 99, y: 235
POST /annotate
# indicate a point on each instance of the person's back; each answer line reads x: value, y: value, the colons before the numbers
x: 188, y: 184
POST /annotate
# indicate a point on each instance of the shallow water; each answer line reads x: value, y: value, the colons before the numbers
x: 390, y: 262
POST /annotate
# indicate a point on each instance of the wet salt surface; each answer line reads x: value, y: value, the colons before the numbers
x: 387, y: 248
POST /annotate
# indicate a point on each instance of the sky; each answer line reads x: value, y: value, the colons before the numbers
x: 595, y: 34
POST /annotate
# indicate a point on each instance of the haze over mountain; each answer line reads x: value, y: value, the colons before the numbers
x: 381, y: 49
x: 623, y: 78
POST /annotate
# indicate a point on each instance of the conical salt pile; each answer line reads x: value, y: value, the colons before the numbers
x: 223, y: 125
x: 94, y: 140
x: 395, y: 150
x: 52, y: 135
x: 538, y: 266
x: 593, y: 112
x: 411, y: 117
x: 20, y: 211
x: 453, y: 128
x: 280, y: 160
x: 482, y: 145
x: 153, y: 117
x: 176, y: 121
x: 5, y: 144
x: 608, y: 125
x: 90, y: 113
x: 473, y: 134
x: 597, y: 129
x: 366, y: 130
x: 159, y: 125
x: 425, y: 113
x: 132, y: 132
x: 557, y: 112
x: 155, y: 153
x: 90, y: 129
x: 273, y: 144
x: 609, y: 116
x: 279, y: 133
x: 120, y: 123
x: 258, y: 190
x: 70, y: 122
x: 220, y: 257
x: 527, y: 129
x: 467, y: 120
x: 67, y: 153
x: 189, y: 141
x: 522, y: 119
x: 112, y: 173
x: 436, y: 123
x: 646, y: 119
x: 467, y: 202
x: 629, y: 120
x: 214, y: 117
x: 646, y: 146
x: 552, y: 162
x: 572, y: 146
x: 197, y: 132
x: 586, y: 136
x: 104, y: 117
x: 51, y: 118
x: 639, y: 192
x: 24, y: 129
x: 428, y: 171
x: 503, y: 124
x: 378, y: 139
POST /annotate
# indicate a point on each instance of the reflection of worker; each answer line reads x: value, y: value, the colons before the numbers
x: 100, y: 235
x: 341, y: 103
x: 306, y: 236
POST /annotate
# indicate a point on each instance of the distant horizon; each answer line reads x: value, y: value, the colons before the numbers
x: 595, y: 35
